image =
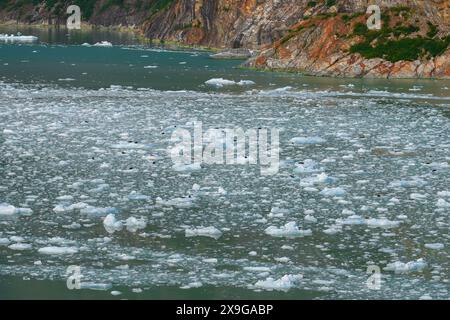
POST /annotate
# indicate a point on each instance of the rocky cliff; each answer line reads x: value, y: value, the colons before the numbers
x: 413, y: 42
x: 322, y: 37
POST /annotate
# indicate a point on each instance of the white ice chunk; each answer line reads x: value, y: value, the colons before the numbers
x: 111, y: 224
x: 103, y: 44
x: 211, y: 232
x: 187, y: 167
x: 58, y: 250
x: 434, y: 246
x: 333, y: 192
x: 285, y: 283
x: 221, y: 82
x: 307, y: 140
x: 9, y: 210
x: 4, y: 241
x: 290, y: 229
x: 133, y: 224
x: 441, y: 203
x: 412, y: 266
x: 308, y: 166
x: 20, y: 246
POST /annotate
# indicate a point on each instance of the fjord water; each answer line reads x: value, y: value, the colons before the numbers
x: 84, y: 132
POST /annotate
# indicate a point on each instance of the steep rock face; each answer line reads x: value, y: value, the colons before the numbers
x: 226, y: 23
x: 325, y: 45
x: 314, y: 37
x: 101, y: 12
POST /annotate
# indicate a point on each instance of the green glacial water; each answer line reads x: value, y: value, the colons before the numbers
x: 86, y: 178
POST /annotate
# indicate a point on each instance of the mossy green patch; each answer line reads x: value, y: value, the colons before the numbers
x: 394, y: 43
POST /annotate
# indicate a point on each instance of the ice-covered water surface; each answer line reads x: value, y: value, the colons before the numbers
x: 86, y: 180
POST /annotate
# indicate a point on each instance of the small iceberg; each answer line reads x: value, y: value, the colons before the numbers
x: 333, y: 192
x: 285, y: 283
x: 289, y: 230
x: 103, y: 44
x: 9, y: 210
x: 20, y: 246
x: 434, y: 246
x: 211, y: 232
x: 95, y: 286
x: 185, y: 202
x: 111, y: 224
x: 221, y: 82
x: 307, y: 140
x: 133, y: 224
x: 187, y: 167
x: 58, y: 250
x: 308, y: 166
x: 19, y: 38
x: 412, y: 266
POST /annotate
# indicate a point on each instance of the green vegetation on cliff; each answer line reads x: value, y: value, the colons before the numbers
x: 396, y: 43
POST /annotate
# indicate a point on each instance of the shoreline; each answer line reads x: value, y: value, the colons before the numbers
x: 87, y: 27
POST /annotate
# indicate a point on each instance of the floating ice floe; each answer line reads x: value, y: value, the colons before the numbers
x: 111, y: 224
x: 308, y: 166
x: 129, y: 145
x: 185, y: 202
x: 61, y: 208
x: 412, y: 266
x: 210, y: 260
x: 310, y: 219
x: 220, y: 82
x: 134, y: 195
x: 441, y: 203
x: 211, y: 232
x: 16, y: 239
x: 372, y: 222
x: 434, y: 246
x: 352, y: 220
x: 289, y: 230
x: 333, y: 230
x: 134, y: 224
x: 439, y: 165
x: 58, y: 250
x: 9, y: 210
x: 333, y: 192
x: 417, y: 182
x: 103, y: 44
x: 95, y: 286
x: 65, y: 198
x: 257, y: 269
x: 278, y: 212
x: 96, y: 211
x: 444, y: 194
x: 285, y: 283
x: 307, y: 140
x: 18, y: 38
x: 321, y: 178
x: 187, y: 167
x: 195, y: 284
x: 382, y: 223
x: 20, y: 246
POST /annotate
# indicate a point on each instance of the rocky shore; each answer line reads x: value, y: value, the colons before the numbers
x: 321, y: 38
